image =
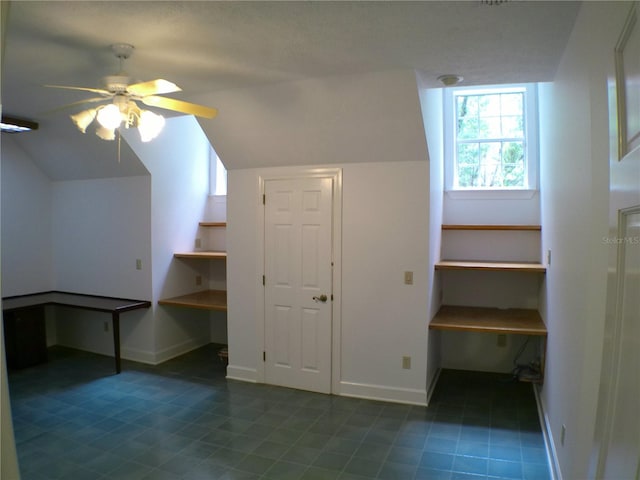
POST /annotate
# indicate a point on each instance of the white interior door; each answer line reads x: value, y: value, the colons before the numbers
x: 621, y: 459
x: 298, y: 290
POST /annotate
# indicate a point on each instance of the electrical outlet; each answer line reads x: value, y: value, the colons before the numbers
x: 106, y: 326
x: 563, y: 433
x: 548, y: 257
x: 408, y: 278
x: 138, y: 264
x: 406, y: 363
x: 502, y: 340
x: 198, y: 279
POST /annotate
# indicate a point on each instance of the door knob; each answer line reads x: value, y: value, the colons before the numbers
x: 322, y: 298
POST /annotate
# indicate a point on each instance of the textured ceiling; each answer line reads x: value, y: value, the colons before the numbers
x: 208, y: 46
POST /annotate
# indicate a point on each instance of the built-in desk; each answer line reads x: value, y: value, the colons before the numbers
x: 517, y: 321
x: 114, y: 306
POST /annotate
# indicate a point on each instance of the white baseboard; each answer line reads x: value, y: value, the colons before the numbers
x: 135, y: 355
x: 155, y: 358
x: 552, y: 457
x: 243, y: 374
x: 387, y: 394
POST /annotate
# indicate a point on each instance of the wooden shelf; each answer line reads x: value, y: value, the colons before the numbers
x: 491, y: 266
x: 206, y: 300
x: 202, y: 254
x: 213, y: 224
x: 490, y: 320
x: 492, y: 227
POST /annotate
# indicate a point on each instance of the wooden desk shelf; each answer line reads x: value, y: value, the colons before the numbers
x: 205, y: 254
x: 534, y: 228
x: 488, y: 266
x: 206, y: 300
x: 489, y: 320
x: 213, y: 224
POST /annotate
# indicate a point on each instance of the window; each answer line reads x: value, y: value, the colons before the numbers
x: 491, y: 138
x: 217, y: 175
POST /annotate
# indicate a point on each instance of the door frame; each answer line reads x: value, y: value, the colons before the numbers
x: 335, y: 174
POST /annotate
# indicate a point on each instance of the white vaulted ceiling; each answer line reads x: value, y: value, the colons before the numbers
x: 207, y: 47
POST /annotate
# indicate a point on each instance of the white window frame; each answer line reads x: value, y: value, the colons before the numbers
x: 531, y: 140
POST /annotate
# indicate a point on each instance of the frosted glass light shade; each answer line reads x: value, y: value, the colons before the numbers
x: 83, y: 119
x: 150, y: 125
x: 109, y: 116
x: 105, y: 133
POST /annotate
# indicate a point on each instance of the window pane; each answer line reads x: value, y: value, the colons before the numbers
x: 513, y: 164
x: 489, y: 105
x: 513, y: 153
x: 468, y: 153
x: 513, y: 104
x: 512, y: 127
x: 490, y: 127
x: 467, y: 160
x: 468, y: 177
x: 467, y: 106
x: 467, y: 128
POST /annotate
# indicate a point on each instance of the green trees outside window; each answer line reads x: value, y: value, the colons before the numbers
x: 490, y: 140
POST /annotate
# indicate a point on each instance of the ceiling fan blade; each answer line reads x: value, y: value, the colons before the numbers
x: 80, y: 102
x: 84, y: 89
x: 180, y: 106
x: 153, y: 87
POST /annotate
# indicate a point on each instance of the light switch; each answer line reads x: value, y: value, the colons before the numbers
x: 408, y: 278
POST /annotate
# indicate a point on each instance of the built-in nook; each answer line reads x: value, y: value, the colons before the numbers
x: 508, y: 315
x: 202, y: 299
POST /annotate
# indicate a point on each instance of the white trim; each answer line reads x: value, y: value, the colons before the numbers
x: 552, y: 457
x: 242, y: 374
x: 491, y: 194
x: 288, y: 173
x: 384, y: 393
x: 155, y: 358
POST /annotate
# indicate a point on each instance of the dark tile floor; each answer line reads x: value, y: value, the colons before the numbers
x: 75, y: 419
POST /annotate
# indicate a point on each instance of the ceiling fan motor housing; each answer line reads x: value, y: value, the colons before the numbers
x: 117, y: 83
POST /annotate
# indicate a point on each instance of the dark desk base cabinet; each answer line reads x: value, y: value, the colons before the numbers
x: 25, y: 337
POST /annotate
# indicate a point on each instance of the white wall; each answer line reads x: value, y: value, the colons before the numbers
x: 385, y: 213
x: 27, y: 263
x: 100, y: 227
x: 574, y: 206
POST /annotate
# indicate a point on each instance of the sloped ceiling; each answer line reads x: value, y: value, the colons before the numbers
x: 209, y: 47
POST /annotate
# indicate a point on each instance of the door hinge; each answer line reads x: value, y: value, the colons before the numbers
x: 332, y: 297
x: 264, y: 356
x: 263, y: 281
x: 264, y: 199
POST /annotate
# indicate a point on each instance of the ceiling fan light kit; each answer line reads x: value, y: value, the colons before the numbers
x: 120, y: 113
x: 123, y: 109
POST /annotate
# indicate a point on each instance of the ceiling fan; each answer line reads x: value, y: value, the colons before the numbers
x: 122, y: 99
